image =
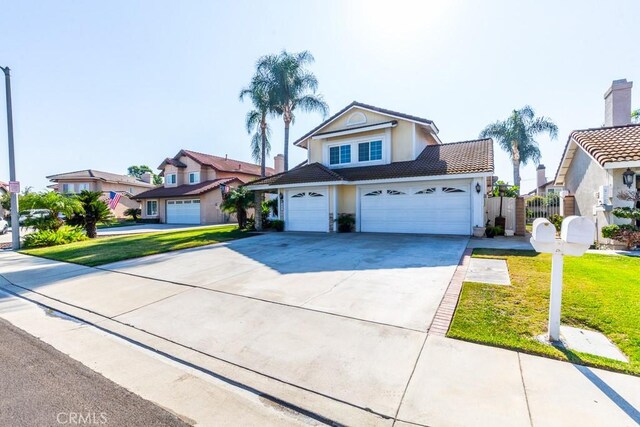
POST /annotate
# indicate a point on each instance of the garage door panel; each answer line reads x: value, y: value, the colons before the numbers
x: 183, y: 211
x: 429, y: 207
x: 308, y: 210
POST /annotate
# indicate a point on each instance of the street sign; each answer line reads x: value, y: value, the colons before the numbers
x: 14, y: 186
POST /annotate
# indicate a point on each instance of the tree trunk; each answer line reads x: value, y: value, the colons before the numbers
x: 91, y: 229
x: 257, y: 198
x: 515, y: 158
x: 287, y: 122
x: 263, y: 148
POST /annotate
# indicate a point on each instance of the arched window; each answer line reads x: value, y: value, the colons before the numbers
x: 356, y: 119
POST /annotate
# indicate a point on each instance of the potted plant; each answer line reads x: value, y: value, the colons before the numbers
x: 278, y: 224
x: 346, y: 222
x: 479, y: 231
x: 490, y: 231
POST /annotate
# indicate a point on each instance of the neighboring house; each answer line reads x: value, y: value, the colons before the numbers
x: 388, y: 169
x: 105, y: 182
x: 595, y: 160
x: 194, y: 184
x: 544, y: 187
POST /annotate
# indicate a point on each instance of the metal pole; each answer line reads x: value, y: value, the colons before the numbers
x: 15, y: 223
x: 555, y: 300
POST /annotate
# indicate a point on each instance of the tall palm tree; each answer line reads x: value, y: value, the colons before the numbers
x: 516, y: 135
x: 256, y: 120
x: 291, y: 87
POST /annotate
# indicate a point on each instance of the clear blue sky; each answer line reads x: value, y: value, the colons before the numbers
x: 105, y: 85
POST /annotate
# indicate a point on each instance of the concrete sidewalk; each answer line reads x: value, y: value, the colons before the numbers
x: 393, y: 375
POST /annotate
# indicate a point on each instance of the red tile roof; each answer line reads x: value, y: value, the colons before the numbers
x: 187, y: 189
x: 610, y: 144
x: 223, y: 163
x: 444, y: 159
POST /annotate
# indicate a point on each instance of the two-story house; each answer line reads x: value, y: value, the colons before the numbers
x: 105, y: 182
x: 387, y: 168
x: 194, y: 185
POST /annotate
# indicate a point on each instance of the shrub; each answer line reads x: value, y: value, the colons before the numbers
x: 346, y: 222
x: 48, y: 237
x: 627, y: 233
x: 278, y: 224
x: 556, y: 220
x: 610, y: 231
x: 134, y: 213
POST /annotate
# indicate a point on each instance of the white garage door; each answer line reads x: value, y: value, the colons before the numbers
x: 308, y: 209
x: 183, y: 211
x: 426, y: 207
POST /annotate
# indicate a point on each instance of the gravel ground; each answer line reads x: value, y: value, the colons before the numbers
x: 40, y: 386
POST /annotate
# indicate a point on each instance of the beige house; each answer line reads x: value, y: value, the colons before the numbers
x: 93, y: 180
x: 597, y: 160
x: 194, y: 185
x: 389, y: 170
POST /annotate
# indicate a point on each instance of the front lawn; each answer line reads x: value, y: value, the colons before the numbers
x: 116, y: 224
x: 600, y: 293
x: 111, y: 249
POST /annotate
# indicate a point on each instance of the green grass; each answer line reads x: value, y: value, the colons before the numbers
x: 600, y: 293
x: 110, y: 249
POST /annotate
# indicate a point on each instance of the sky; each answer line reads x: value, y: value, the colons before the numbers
x: 105, y: 85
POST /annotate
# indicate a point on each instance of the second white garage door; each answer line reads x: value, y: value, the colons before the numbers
x: 308, y: 209
x: 183, y: 211
x: 427, y: 207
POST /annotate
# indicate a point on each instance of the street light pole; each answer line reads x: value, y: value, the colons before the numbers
x: 15, y: 223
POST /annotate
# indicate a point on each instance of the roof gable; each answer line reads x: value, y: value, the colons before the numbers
x: 223, y: 164
x: 348, y: 118
x: 92, y: 174
x: 604, y: 145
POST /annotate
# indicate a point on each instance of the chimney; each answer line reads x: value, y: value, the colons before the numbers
x: 146, y: 177
x: 617, y: 103
x: 278, y: 163
x: 541, y: 178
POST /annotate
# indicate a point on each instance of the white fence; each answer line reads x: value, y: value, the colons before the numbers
x: 492, y: 209
x: 542, y: 207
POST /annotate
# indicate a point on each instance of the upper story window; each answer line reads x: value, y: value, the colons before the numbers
x: 194, y: 177
x: 171, y: 178
x: 340, y: 154
x: 68, y: 188
x: 83, y: 186
x: 368, y: 151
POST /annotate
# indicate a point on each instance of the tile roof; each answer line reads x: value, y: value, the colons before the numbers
x: 610, y: 144
x: 445, y: 159
x: 185, y: 190
x: 96, y: 174
x: 368, y: 107
x: 223, y: 163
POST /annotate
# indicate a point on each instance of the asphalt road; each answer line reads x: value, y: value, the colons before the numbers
x: 40, y: 386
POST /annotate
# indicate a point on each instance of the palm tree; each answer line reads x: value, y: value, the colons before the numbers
x: 256, y: 120
x: 290, y: 87
x: 238, y: 201
x: 516, y: 135
x: 94, y: 210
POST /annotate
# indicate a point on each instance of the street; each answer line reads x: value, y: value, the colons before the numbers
x: 41, y: 386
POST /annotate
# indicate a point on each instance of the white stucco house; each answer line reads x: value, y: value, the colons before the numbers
x: 598, y: 163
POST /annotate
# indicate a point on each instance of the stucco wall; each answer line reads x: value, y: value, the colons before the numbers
x: 402, y: 147
x: 346, y: 199
x: 210, y: 212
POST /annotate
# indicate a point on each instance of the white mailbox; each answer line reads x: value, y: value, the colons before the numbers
x: 576, y: 235
x: 543, y: 231
x: 578, y: 229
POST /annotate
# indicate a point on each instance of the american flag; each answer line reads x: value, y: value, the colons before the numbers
x: 114, y: 199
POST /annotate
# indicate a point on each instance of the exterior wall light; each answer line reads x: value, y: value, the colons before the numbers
x: 478, y: 188
x: 627, y: 177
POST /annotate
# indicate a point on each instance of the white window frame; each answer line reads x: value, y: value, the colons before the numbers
x: 172, y: 179
x: 146, y: 208
x: 354, y: 142
x: 196, y: 176
x: 83, y: 186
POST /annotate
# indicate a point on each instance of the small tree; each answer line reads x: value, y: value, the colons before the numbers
x: 629, y: 234
x: 94, y: 210
x: 238, y: 201
x: 137, y: 171
x: 133, y: 213
x: 57, y: 204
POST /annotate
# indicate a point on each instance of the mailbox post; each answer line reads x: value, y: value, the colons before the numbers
x: 576, y: 236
